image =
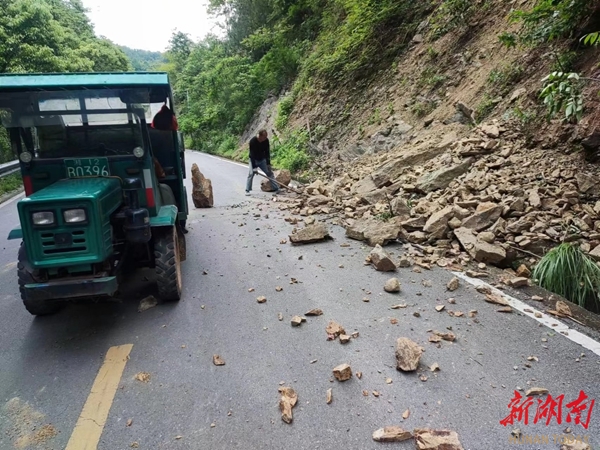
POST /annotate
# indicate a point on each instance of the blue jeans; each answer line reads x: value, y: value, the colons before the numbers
x: 262, y: 164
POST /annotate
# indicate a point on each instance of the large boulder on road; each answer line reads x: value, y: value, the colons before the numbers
x: 202, y: 192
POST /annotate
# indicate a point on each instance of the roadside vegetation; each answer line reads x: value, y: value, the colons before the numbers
x: 10, y: 183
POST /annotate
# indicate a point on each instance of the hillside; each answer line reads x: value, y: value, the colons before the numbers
x: 143, y: 60
x: 429, y: 117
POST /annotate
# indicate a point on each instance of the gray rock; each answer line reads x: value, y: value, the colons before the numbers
x: 381, y: 260
x: 484, y: 217
x: 392, y: 285
x: 479, y: 250
x: 312, y: 233
x: 392, y: 169
x: 437, y: 225
x: 408, y: 355
x: 373, y: 231
x: 317, y: 200
x: 441, y: 179
x: 400, y: 207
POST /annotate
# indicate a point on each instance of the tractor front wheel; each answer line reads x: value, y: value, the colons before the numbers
x: 167, y: 257
x: 36, y: 307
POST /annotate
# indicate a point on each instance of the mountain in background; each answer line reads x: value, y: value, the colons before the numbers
x: 143, y: 60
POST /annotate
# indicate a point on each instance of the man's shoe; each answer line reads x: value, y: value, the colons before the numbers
x: 247, y: 193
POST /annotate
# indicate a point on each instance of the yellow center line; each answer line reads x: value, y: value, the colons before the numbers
x: 92, y: 419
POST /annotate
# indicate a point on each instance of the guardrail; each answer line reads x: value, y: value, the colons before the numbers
x: 9, y: 167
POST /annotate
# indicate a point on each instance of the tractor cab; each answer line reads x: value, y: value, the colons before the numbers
x: 103, y: 184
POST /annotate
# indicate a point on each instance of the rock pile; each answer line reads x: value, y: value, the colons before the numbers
x: 484, y: 197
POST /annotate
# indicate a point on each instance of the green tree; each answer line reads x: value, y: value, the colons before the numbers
x: 52, y: 36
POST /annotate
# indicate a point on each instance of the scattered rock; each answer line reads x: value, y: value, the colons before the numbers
x: 329, y: 396
x: 408, y: 354
x: 563, y: 309
x: 312, y: 233
x: 536, y: 391
x: 314, y: 312
x: 144, y: 377
x: 392, y: 285
x: 575, y: 445
x: 435, y: 367
x: 334, y: 329
x: 404, y: 262
x: 288, y: 400
x: 381, y: 260
x: 147, y: 303
x: 440, y: 308
x: 261, y: 299
x: 218, y: 361
x: 297, y: 321
x: 344, y: 338
x: 343, y: 372
x: 391, y: 434
x: 518, y: 282
x: 427, y: 439
x: 445, y: 336
x: 496, y: 300
x: 202, y: 192
x: 453, y: 284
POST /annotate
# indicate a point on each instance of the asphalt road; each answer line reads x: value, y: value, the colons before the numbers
x: 48, y: 365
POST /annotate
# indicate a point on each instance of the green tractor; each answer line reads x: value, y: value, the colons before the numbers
x: 103, y: 180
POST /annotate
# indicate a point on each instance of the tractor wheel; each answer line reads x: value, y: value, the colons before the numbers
x: 34, y: 306
x: 167, y: 259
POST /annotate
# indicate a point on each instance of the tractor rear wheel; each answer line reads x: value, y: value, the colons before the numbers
x: 36, y: 307
x: 167, y: 258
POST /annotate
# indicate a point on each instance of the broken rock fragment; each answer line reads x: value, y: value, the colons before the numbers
x: 453, y: 284
x: 343, y: 372
x: 314, y: 312
x: 329, y: 396
x: 288, y: 400
x: 334, y: 329
x: 218, y: 361
x: 392, y: 285
x: 408, y: 354
x: 373, y: 231
x: 312, y: 233
x: 296, y: 321
x: 479, y: 250
x: 381, y: 260
x: 391, y: 434
x: 427, y: 439
x: 536, y: 391
x: 344, y: 338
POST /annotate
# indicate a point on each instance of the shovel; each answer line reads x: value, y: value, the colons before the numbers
x: 282, y: 185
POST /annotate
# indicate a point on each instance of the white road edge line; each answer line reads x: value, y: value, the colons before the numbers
x: 547, y: 320
x: 11, y: 200
x: 221, y: 159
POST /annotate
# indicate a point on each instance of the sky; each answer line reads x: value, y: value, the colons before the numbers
x: 149, y: 25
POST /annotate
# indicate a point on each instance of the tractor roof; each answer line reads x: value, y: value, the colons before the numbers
x: 68, y: 81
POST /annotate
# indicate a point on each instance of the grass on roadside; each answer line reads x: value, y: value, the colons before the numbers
x: 10, y: 183
x: 567, y: 271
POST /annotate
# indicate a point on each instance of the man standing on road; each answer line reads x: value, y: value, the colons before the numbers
x: 260, y: 158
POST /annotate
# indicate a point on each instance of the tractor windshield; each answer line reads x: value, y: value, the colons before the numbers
x: 77, y: 123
